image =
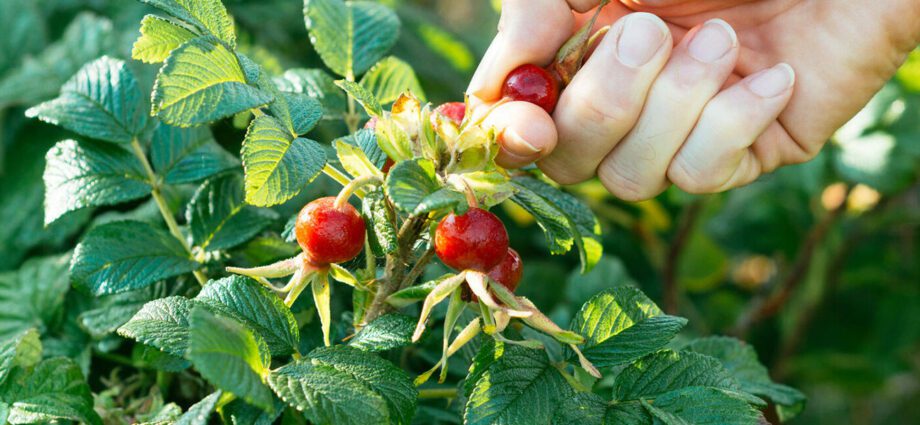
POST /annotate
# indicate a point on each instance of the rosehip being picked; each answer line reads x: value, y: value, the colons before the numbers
x: 530, y: 83
x: 507, y: 273
x: 476, y: 240
x: 328, y: 234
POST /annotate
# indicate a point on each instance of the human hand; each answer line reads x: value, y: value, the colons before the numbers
x: 712, y: 112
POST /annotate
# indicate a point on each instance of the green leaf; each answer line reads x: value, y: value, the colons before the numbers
x: 350, y: 37
x: 328, y: 396
x: 556, y: 227
x: 230, y: 356
x: 364, y: 97
x: 703, y: 406
x: 305, y: 111
x: 393, y: 140
x: 102, y: 101
x: 162, y: 324
x: 33, y: 296
x: 187, y: 155
x: 54, y: 390
x: 238, y: 412
x: 89, y: 173
x: 390, y: 78
x: 410, y: 182
x: 621, y: 324
x: 443, y: 199
x: 381, y: 230
x: 585, y: 227
x: 354, y: 160
x: 261, y: 310
x: 218, y: 217
x: 591, y: 409
x: 668, y: 370
x: 25, y: 32
x: 23, y: 350
x: 202, y: 81
x: 277, y: 165
x: 158, y: 38
x: 125, y: 255
x: 387, y: 332
x: 113, y: 311
x: 381, y: 376
x: 742, y: 364
x: 199, y: 413
x: 207, y: 16
x: 86, y: 38
x: 414, y: 294
x: 317, y: 84
x: 520, y: 386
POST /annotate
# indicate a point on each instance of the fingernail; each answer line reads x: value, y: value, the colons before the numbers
x: 772, y: 82
x: 518, y: 146
x: 713, y: 41
x: 642, y: 36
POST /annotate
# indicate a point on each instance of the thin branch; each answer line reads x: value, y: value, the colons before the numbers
x: 417, y: 269
x: 163, y: 206
x: 396, y: 263
x: 790, y: 345
x: 437, y: 393
x: 670, y: 288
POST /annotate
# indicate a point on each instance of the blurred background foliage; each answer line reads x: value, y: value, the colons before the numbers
x: 817, y: 265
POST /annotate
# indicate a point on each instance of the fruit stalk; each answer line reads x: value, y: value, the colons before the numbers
x: 395, y: 269
x: 167, y: 214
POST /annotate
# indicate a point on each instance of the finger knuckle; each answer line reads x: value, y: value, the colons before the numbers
x: 623, y: 183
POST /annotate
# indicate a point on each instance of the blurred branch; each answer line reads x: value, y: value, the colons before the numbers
x: 790, y: 345
x: 763, y: 308
x: 670, y: 287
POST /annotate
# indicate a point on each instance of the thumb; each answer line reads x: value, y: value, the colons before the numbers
x: 530, y: 31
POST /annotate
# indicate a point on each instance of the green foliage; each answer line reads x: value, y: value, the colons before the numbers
x: 90, y: 174
x: 621, y: 325
x: 161, y: 324
x: 350, y: 37
x: 230, y: 356
x: 186, y: 155
x: 277, y: 163
x: 263, y: 312
x: 218, y: 217
x: 125, y: 255
x: 203, y: 81
x: 102, y: 101
x: 389, y: 331
x: 163, y: 255
x: 390, y: 78
x: 512, y: 379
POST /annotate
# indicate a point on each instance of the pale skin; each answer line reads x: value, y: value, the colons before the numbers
x: 706, y: 95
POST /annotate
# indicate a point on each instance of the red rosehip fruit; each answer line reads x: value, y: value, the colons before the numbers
x: 387, y: 165
x: 454, y: 111
x: 476, y: 240
x: 507, y: 273
x: 328, y: 234
x: 530, y: 83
